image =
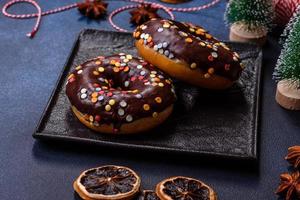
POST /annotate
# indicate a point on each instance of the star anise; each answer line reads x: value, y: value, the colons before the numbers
x: 93, y: 8
x: 289, y: 185
x: 143, y: 13
x: 293, y: 156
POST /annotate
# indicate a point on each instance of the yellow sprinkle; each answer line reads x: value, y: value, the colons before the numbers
x: 199, y: 31
x: 208, y: 36
x: 202, y: 44
x: 129, y: 57
x: 193, y: 65
x: 158, y: 99
x: 95, y: 73
x: 117, y: 64
x: 91, y: 118
x: 154, y: 114
x: 112, y: 102
x: 125, y: 60
x: 137, y: 34
x: 94, y: 94
x: 98, y: 62
x: 166, y: 25
x: 160, y: 84
x: 116, y: 69
x: 192, y: 30
x: 107, y: 108
x: 135, y: 91
x: 146, y: 107
x: 168, y: 81
x: 70, y: 76
x: 94, y: 100
x: 152, y: 75
x: 207, y: 75
x: 211, y: 70
x: 78, y: 67
x: 189, y: 40
x: 101, y: 69
x: 112, y: 62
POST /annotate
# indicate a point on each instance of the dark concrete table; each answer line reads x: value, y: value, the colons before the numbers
x: 34, y: 170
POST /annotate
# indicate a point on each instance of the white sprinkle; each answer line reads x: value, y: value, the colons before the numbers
x: 146, y: 36
x: 160, y: 30
x: 122, y: 57
x: 126, y: 83
x: 159, y: 45
x: 214, y: 54
x: 166, y: 53
x: 123, y: 104
x: 171, y: 56
x: 139, y: 66
x: 100, y: 98
x: 98, y: 89
x: 123, y: 64
x: 121, y: 112
x: 155, y: 48
x: 153, y: 72
x: 83, y: 90
x: 161, y: 77
x: 129, y: 118
x: 161, y: 51
x: 165, y: 44
x: 79, y: 71
x: 235, y: 58
x: 142, y: 73
x: 147, y: 83
x: 144, y: 27
x: 215, y: 48
x: 139, y: 95
x: 83, y: 96
x: 142, y: 35
x: 101, y: 79
x: 145, y: 42
x: 121, y: 54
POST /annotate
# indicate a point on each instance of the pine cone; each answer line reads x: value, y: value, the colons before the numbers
x: 93, y: 8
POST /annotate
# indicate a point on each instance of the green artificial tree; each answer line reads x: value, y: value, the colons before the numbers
x: 287, y: 70
x: 250, y: 20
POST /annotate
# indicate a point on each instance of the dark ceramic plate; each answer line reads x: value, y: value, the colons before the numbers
x: 211, y: 123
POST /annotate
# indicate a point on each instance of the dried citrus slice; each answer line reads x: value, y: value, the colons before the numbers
x: 107, y: 182
x: 184, y: 188
x: 148, y: 195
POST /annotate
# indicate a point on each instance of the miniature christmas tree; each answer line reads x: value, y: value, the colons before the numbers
x: 250, y: 20
x: 287, y: 70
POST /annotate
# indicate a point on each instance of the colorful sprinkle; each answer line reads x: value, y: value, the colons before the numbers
x: 227, y: 67
x: 139, y: 66
x: 164, y: 44
x: 210, y: 58
x: 111, y: 102
x: 95, y: 73
x: 123, y: 104
x: 83, y: 96
x: 214, y: 54
x: 100, y: 98
x: 94, y: 94
x: 107, y: 108
x: 193, y: 65
x: 101, y: 69
x: 189, y: 40
x: 94, y: 100
x: 207, y: 75
x: 91, y: 118
x: 79, y: 72
x: 211, y: 70
x: 155, y: 114
x: 129, y: 118
x: 160, y: 84
x: 159, y: 45
x: 121, y: 111
x: 166, y: 25
x: 160, y: 30
x: 146, y: 107
x: 83, y: 90
x: 202, y: 44
x: 158, y: 99
x: 97, y: 118
x: 98, y: 62
x: 126, y: 83
x: 78, y: 67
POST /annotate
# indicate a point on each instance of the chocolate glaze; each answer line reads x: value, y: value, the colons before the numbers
x: 99, y: 87
x: 191, y: 44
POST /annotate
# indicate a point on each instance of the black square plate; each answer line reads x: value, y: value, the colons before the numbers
x: 211, y: 123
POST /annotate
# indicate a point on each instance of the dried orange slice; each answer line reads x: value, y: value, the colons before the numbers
x: 148, y: 195
x: 107, y: 182
x: 184, y: 188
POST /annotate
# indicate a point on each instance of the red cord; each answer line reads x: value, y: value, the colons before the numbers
x: 39, y: 14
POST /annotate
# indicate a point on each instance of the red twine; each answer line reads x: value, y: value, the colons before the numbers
x: 39, y: 13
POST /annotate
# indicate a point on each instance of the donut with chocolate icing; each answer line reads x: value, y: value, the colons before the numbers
x: 188, y: 52
x: 120, y: 94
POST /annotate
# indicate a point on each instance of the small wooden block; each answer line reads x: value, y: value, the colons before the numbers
x: 288, y: 95
x: 239, y: 33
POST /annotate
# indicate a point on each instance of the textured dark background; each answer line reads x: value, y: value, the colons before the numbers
x: 34, y: 170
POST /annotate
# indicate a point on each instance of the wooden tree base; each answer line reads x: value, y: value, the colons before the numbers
x: 174, y: 1
x: 288, y: 95
x: 240, y: 33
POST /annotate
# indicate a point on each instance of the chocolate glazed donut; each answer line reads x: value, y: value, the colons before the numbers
x: 188, y: 52
x: 120, y: 94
